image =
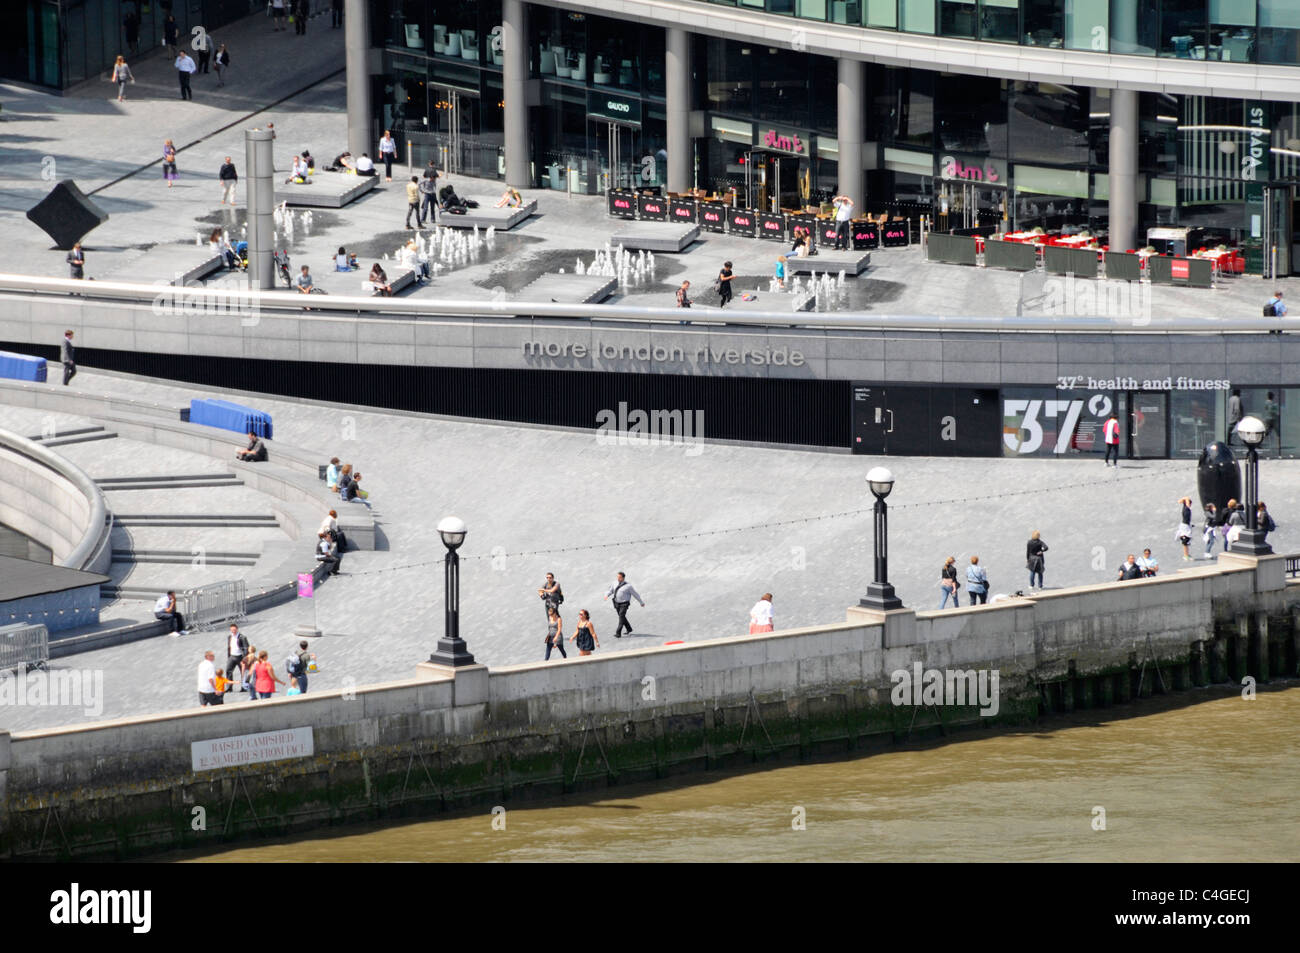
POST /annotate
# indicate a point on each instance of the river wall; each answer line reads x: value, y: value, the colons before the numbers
x: 480, y: 736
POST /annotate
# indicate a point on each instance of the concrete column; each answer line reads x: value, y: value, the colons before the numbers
x: 356, y: 38
x: 852, y: 94
x: 677, y: 79
x: 514, y: 79
x: 259, y: 190
x: 1123, y: 169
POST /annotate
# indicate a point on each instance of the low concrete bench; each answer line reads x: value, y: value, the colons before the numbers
x: 852, y: 263
x: 399, y: 278
x: 655, y: 236
x: 485, y: 216
x: 326, y: 190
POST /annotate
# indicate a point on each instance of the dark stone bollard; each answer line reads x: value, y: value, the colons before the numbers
x: 1218, y: 478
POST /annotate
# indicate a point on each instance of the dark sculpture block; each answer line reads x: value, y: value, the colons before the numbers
x: 67, y: 214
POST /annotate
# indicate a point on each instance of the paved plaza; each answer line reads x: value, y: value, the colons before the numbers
x: 113, y: 151
x: 700, y: 534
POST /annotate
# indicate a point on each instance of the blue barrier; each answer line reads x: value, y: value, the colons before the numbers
x: 22, y: 367
x: 230, y: 416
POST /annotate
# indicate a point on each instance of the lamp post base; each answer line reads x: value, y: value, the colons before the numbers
x: 1251, y: 543
x: 453, y: 653
x: 880, y: 595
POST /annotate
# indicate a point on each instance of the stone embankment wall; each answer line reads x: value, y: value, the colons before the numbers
x: 481, y: 737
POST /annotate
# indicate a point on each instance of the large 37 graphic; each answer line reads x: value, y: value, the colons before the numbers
x: 1028, y: 438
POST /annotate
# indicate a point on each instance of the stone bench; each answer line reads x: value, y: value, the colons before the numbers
x: 326, y: 190
x: 486, y: 216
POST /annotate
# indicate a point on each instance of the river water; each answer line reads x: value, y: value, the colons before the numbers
x: 1210, y: 781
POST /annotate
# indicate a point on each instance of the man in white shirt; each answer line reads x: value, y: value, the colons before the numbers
x: 365, y: 165
x: 843, y: 215
x: 207, y: 681
x: 236, y: 649
x: 760, y: 617
x: 164, y: 610
x: 185, y: 68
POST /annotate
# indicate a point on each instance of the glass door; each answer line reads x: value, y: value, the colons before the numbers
x: 1148, y: 429
x: 615, y: 144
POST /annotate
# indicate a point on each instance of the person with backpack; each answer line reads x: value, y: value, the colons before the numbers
x: 1263, y: 521
x: 551, y: 594
x: 1276, y: 307
x: 297, y: 664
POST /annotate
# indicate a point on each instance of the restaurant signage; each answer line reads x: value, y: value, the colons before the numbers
x: 622, y: 203
x: 713, y: 216
x: 742, y: 221
x: 964, y: 168
x: 1256, y: 143
x: 1179, y: 268
x: 653, y: 208
x: 604, y: 106
x: 780, y: 142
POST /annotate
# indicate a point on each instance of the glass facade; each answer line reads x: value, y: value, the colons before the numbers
x: 59, y: 43
x: 1242, y: 31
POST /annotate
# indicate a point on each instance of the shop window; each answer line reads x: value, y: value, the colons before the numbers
x: 1279, y: 31
x: 730, y: 77
x: 846, y: 11
x: 1044, y: 22
x: 783, y: 85
x: 1133, y: 28
x: 916, y: 16
x: 1232, y: 31
x: 971, y: 114
x: 1000, y: 20
x: 957, y: 18
x: 1183, y: 29
x: 1049, y: 123
x: 1086, y: 24
x: 882, y: 13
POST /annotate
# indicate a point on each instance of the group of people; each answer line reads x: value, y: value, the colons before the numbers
x: 1225, y: 525
x: 332, y: 543
x: 584, y: 634
x: 341, y: 479
x: 250, y: 670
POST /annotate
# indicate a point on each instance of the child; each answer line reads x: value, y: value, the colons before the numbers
x: 780, y: 272
x: 222, y: 685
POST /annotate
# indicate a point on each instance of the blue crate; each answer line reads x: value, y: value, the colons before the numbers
x: 228, y: 415
x: 22, y: 367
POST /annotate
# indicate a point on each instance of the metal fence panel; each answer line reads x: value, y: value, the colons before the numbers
x: 216, y: 602
x: 953, y: 249
x: 24, y: 645
x: 1010, y: 255
x: 1080, y: 262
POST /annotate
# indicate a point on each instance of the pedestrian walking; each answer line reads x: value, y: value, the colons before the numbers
x: 1184, y: 532
x: 623, y: 593
x: 1235, y: 413
x: 236, y: 650
x: 131, y: 28
x: 977, y: 582
x: 780, y: 271
x: 169, y: 163
x: 1276, y: 307
x: 684, y: 298
x: 1129, y: 570
x: 121, y: 75
x: 760, y: 617
x: 76, y: 262
x: 551, y: 594
x: 1234, y: 524
x: 264, y: 677
x: 229, y: 178
x: 68, y: 353
x: 336, y: 13
x: 723, y: 284
x: 184, y: 70
x: 843, y: 215
x: 222, y: 63
x: 203, y: 46
x: 278, y: 15
x: 585, y: 634
x: 1271, y: 415
x: 300, y: 17
x: 207, y: 680
x: 387, y: 153
x: 413, y: 202
x: 1211, y: 528
x: 296, y: 667
x: 164, y: 610
x: 1034, y: 561
x: 948, y: 583
x: 171, y: 31
x: 1110, y: 433
x: 554, y: 633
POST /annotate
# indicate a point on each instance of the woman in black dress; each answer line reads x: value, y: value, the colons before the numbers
x: 724, y: 283
x: 554, y: 633
x: 1034, y: 562
x: 585, y: 634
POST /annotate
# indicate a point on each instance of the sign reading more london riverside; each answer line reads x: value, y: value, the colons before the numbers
x: 600, y: 350
x: 252, y: 749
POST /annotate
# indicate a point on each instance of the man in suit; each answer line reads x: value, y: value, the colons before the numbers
x: 69, y: 358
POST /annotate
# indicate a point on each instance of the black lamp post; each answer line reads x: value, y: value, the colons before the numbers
x: 880, y: 594
x: 1251, y: 540
x: 452, y: 650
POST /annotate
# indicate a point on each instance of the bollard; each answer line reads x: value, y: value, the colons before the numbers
x: 1259, y: 647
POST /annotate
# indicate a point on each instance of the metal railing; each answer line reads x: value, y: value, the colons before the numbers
x: 71, y: 291
x: 204, y: 607
x: 1293, y: 566
x: 24, y: 646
